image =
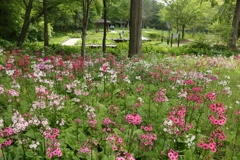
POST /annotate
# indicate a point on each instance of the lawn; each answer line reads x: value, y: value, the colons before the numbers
x: 158, y: 106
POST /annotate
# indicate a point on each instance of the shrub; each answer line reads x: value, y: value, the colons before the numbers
x: 35, y: 32
x: 5, y: 44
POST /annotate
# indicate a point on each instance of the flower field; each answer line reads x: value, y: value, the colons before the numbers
x: 157, y: 107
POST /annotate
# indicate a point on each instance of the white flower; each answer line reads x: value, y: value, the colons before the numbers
x: 127, y: 80
x: 10, y: 72
x: 1, y: 122
x: 227, y: 77
x: 140, y: 100
x: 138, y: 77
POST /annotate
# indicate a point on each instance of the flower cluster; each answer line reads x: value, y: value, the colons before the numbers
x: 133, y: 118
x: 53, y: 148
x: 116, y: 142
x: 195, y: 97
x: 177, y: 116
x: 147, y: 140
x: 52, y: 133
x: 149, y: 128
x: 218, y: 133
x: 8, y: 131
x: 106, y: 123
x: 13, y: 93
x: 188, y: 81
x: 19, y: 123
x: 220, y: 109
x: 160, y: 96
x: 209, y: 144
x: 172, y: 155
x: 87, y: 147
x: 1, y: 89
x: 53, y: 144
x: 41, y: 92
x: 124, y: 156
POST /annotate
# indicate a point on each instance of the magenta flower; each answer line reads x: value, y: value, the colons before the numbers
x: 173, y: 155
x: 133, y: 118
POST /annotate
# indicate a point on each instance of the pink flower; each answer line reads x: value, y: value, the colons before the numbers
x: 188, y: 82
x: 13, y: 93
x: 133, y: 118
x: 114, y: 148
x: 173, y: 155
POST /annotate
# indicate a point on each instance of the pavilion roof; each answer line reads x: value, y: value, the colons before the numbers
x: 101, y: 21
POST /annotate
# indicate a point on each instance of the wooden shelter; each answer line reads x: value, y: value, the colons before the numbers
x: 100, y: 23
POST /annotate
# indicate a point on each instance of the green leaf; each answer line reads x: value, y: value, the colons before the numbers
x: 116, y: 91
x: 70, y: 139
x: 104, y: 157
x: 2, y: 140
x: 138, y: 131
x: 235, y: 158
x: 30, y: 134
x: 188, y: 155
x: 24, y: 106
x: 29, y: 153
x: 117, y: 131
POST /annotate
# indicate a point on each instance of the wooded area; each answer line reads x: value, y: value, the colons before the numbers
x: 36, y: 20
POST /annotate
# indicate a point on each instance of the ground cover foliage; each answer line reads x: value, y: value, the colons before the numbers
x: 54, y: 105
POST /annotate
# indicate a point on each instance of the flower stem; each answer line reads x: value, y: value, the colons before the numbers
x: 3, y: 154
x: 130, y: 138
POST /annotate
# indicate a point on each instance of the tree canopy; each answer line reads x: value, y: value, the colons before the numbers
x: 25, y: 18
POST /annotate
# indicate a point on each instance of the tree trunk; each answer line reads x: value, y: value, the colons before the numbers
x: 235, y: 24
x: 86, y: 8
x: 135, y: 43
x: 105, y: 26
x: 183, y: 31
x: 26, y: 22
x: 46, y: 40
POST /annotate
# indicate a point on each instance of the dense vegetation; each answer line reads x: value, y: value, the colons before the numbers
x: 171, y: 102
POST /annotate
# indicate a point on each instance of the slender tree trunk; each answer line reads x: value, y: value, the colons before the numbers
x: 183, y: 31
x: 235, y: 24
x: 135, y: 43
x: 46, y: 40
x: 26, y: 22
x: 105, y: 26
x: 86, y: 8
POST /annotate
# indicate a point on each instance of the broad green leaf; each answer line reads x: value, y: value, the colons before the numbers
x: 116, y: 91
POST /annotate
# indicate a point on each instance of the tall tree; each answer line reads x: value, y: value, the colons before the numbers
x: 151, y: 18
x: 180, y: 13
x: 105, y: 26
x: 117, y: 12
x: 235, y: 25
x: 86, y: 10
x: 28, y: 19
x: 28, y: 8
x: 46, y: 40
x: 135, y: 43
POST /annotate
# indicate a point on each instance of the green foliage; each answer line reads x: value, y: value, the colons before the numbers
x: 121, y: 51
x: 11, y: 13
x: 96, y: 41
x: 74, y: 35
x: 222, y: 32
x: 35, y: 32
x: 153, y: 35
x: 202, y: 48
x: 5, y: 43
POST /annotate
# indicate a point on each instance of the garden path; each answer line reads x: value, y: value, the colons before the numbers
x: 73, y: 41
x: 70, y: 42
